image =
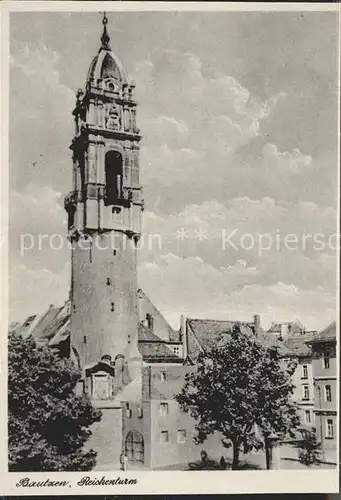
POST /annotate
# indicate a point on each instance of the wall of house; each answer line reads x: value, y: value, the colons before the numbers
x: 136, y: 417
x: 179, y: 448
x: 106, y: 438
x: 325, y: 410
x: 161, y: 382
x: 299, y: 380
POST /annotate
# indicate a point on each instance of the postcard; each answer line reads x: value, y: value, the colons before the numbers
x: 170, y: 248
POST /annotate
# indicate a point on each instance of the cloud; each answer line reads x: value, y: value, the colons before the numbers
x: 200, y: 281
x: 40, y: 117
x: 220, y: 122
x: 247, y: 215
x: 36, y: 210
x: 227, y: 293
x: 38, y: 227
x: 33, y: 290
x: 295, y: 162
x: 165, y: 130
x: 293, y: 243
x: 210, y: 115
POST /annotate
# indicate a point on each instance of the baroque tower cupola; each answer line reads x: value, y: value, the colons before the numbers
x: 104, y: 214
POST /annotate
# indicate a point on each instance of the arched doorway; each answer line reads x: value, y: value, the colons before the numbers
x: 113, y: 177
x: 134, y: 446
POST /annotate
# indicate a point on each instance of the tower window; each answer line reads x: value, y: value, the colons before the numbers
x: 108, y: 281
x: 113, y: 177
x: 112, y: 307
x: 84, y: 339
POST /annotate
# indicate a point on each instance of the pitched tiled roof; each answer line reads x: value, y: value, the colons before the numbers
x: 207, y: 331
x: 153, y: 349
x: 328, y: 334
x: 25, y: 329
x: 62, y: 332
x: 132, y: 392
x: 44, y: 325
x: 146, y: 335
x: 159, y: 320
x: 55, y: 326
x: 276, y: 327
x: 298, y: 345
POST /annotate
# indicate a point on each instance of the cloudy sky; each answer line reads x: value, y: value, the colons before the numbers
x: 238, y: 113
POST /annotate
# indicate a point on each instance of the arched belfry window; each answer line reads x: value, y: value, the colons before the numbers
x: 113, y: 177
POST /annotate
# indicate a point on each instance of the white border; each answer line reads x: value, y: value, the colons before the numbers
x: 160, y: 482
x: 131, y: 6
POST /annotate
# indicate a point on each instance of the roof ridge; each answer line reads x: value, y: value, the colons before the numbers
x: 220, y: 320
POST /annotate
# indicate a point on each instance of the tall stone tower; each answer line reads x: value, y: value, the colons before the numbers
x: 104, y: 217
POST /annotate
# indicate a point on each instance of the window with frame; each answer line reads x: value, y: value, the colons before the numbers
x: 330, y: 428
x: 307, y: 417
x: 326, y: 361
x: 164, y: 437
x: 163, y: 409
x: 176, y: 350
x: 305, y: 392
x: 163, y: 376
x: 304, y: 371
x: 128, y: 410
x: 328, y: 393
x: 100, y: 386
x: 181, y: 436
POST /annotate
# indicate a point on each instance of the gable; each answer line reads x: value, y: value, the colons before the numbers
x: 160, y: 325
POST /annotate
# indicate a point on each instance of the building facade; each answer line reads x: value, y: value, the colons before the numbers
x: 284, y: 329
x: 324, y: 364
x: 303, y: 378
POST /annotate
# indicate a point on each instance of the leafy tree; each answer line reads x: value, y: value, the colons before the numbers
x: 310, y: 449
x: 240, y: 384
x: 48, y: 424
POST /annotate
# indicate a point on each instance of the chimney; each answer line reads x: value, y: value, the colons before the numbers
x: 183, y: 334
x: 150, y: 321
x: 256, y: 321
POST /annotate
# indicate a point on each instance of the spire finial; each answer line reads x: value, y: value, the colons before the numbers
x: 105, y: 39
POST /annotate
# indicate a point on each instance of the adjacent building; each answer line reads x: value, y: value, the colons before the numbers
x: 287, y: 328
x: 303, y: 378
x: 324, y: 367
